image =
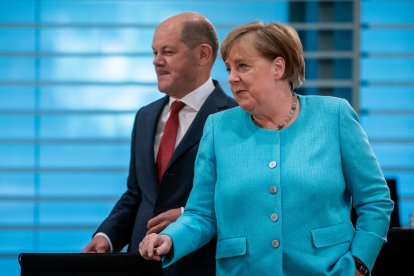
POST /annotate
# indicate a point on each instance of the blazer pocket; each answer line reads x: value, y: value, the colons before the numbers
x: 231, y: 247
x: 332, y: 235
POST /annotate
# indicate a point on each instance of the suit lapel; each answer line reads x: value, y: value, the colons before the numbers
x: 215, y: 102
x: 151, y: 188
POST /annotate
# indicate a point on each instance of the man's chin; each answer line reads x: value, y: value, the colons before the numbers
x: 163, y: 88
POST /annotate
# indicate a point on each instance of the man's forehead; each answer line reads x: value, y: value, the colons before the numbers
x: 167, y: 32
x: 169, y: 40
x: 169, y: 27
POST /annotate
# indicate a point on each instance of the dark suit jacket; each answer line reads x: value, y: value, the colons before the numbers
x: 145, y: 198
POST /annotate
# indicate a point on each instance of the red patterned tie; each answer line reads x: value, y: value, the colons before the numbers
x: 168, y: 139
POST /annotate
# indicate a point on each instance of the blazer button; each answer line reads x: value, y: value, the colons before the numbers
x: 275, y: 243
x: 274, y: 217
x: 273, y: 190
x: 272, y: 164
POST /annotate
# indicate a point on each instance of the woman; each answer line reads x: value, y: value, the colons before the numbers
x: 275, y: 177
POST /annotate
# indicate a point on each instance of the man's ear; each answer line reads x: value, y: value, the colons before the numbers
x: 279, y: 67
x: 205, y: 54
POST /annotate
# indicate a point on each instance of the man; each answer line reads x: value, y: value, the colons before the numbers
x: 185, y: 47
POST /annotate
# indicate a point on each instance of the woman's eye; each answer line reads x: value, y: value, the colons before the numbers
x: 228, y: 69
x: 243, y: 66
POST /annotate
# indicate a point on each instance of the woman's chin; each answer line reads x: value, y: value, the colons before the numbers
x: 246, y: 106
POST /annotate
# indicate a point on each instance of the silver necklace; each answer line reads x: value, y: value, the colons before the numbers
x: 288, y: 117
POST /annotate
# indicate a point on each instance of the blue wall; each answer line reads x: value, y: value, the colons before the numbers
x: 73, y: 74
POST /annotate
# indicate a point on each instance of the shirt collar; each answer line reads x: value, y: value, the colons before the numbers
x: 196, y: 98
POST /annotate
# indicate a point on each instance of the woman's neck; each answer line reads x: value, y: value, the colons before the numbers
x: 278, y: 113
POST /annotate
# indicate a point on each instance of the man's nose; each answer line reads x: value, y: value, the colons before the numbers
x: 158, y: 60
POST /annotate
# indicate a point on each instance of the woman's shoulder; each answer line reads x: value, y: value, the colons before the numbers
x: 228, y: 119
x: 234, y: 112
x: 324, y: 103
x: 317, y: 99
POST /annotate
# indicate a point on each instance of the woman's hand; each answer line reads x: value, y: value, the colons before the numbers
x: 154, y: 245
x: 357, y: 273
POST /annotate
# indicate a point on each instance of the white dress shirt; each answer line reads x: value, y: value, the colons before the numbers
x: 193, y: 102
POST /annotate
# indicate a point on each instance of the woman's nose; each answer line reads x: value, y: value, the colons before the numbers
x: 233, y: 76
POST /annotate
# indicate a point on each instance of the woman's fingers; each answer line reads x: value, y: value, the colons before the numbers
x: 164, y: 246
x: 153, y: 246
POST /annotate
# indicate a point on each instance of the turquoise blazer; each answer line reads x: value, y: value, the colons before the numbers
x: 280, y: 201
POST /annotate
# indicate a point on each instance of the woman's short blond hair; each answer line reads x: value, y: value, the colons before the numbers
x: 271, y: 40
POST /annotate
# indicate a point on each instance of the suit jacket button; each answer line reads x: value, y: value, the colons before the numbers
x: 275, y: 243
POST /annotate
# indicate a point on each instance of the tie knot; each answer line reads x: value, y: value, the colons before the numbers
x: 176, y: 106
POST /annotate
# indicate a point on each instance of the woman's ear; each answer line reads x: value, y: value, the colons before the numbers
x: 279, y: 67
x: 205, y: 54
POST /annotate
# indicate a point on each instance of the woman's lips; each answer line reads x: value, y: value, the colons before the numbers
x: 240, y: 92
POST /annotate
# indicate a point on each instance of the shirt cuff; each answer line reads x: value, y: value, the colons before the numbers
x: 111, y: 249
x: 182, y: 210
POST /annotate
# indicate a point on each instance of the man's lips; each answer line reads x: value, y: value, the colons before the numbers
x: 162, y: 73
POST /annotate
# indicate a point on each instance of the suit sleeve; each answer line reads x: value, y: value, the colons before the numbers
x: 119, y: 224
x: 197, y: 225
x: 366, y: 183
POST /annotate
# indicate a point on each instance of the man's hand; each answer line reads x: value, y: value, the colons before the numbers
x: 160, y: 222
x: 98, y: 244
x: 154, y: 245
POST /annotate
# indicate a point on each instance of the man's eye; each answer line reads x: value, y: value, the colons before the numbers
x: 228, y: 69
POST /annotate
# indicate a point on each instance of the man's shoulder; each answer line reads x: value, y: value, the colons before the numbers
x: 155, y: 105
x: 232, y: 103
x: 221, y: 97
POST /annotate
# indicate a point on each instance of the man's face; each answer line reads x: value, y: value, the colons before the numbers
x: 175, y: 64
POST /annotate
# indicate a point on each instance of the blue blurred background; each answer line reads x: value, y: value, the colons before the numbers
x: 73, y: 74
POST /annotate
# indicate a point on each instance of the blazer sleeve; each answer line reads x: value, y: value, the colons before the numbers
x: 366, y: 183
x: 197, y: 225
x: 119, y: 224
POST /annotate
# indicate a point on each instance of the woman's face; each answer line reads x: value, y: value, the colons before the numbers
x: 252, y: 77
